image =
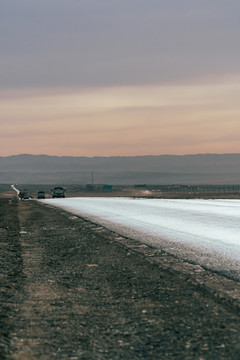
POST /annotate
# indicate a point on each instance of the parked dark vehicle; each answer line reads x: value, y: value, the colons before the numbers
x: 58, y: 192
x: 21, y: 194
x: 41, y: 195
x: 25, y: 196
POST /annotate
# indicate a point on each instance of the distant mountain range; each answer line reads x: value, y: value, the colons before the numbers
x: 121, y: 170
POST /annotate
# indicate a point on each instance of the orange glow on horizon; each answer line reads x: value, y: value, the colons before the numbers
x: 122, y: 121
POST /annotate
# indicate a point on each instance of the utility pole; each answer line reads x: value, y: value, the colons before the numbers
x: 92, y: 177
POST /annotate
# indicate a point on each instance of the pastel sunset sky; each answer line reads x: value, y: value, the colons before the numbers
x: 119, y: 77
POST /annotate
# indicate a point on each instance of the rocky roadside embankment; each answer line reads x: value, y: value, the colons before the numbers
x: 71, y: 289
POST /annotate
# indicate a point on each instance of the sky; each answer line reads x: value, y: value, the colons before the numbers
x: 119, y: 77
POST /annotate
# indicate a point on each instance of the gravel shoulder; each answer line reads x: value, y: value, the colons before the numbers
x: 71, y: 289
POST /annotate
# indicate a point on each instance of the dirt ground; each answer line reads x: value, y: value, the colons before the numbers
x: 71, y: 289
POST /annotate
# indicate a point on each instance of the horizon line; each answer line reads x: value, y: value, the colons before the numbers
x: 115, y: 156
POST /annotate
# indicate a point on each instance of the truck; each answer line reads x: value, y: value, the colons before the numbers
x: 58, y: 192
x: 41, y: 194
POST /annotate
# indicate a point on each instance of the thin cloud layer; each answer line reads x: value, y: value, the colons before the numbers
x: 110, y: 77
x: 123, y: 120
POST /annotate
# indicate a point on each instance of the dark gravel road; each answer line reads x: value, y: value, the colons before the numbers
x: 72, y: 290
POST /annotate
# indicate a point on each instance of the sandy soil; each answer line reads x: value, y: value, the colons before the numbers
x: 71, y: 289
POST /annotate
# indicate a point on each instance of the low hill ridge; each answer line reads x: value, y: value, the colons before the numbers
x: 149, y: 169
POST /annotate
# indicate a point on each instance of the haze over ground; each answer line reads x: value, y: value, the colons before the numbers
x: 125, y: 170
x: 113, y: 78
